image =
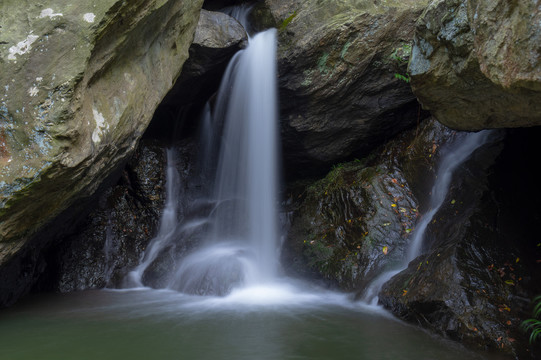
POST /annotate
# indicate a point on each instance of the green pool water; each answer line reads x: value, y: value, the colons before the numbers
x: 276, y: 322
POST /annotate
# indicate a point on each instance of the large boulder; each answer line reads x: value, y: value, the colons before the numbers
x: 111, y: 240
x: 356, y: 222
x: 481, y: 264
x: 342, y: 76
x: 476, y: 64
x: 74, y: 103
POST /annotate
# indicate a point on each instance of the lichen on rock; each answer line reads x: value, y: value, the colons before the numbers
x: 74, y: 99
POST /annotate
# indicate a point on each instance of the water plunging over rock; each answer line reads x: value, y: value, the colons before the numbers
x: 453, y: 155
x: 240, y: 244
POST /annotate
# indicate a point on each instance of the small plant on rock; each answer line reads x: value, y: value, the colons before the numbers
x: 534, y: 325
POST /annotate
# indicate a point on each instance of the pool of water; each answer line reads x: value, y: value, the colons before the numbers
x: 280, y: 321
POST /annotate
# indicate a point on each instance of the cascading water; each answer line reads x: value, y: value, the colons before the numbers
x: 242, y: 245
x: 453, y: 156
x: 239, y: 142
x: 168, y: 223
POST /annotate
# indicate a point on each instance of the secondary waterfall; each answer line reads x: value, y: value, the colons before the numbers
x: 168, y: 223
x: 452, y: 156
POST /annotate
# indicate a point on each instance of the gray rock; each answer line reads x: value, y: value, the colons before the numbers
x: 74, y: 102
x: 476, y: 64
x: 339, y: 95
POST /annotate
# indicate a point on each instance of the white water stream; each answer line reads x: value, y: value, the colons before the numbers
x: 241, y: 247
x: 452, y: 156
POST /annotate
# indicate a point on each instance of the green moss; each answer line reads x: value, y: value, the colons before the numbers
x: 286, y: 21
x: 322, y: 64
x: 345, y: 49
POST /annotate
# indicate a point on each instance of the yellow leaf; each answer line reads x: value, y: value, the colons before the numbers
x: 393, y: 205
x: 385, y: 250
x: 518, y: 259
x: 453, y: 202
x: 404, y: 292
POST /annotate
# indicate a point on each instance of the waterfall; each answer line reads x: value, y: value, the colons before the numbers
x: 239, y: 141
x: 452, y: 156
x: 241, y: 248
x: 168, y: 223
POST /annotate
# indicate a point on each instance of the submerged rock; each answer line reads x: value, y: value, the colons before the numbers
x: 476, y: 64
x: 339, y: 68
x: 481, y: 264
x: 74, y: 102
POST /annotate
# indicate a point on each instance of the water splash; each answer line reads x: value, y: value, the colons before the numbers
x: 242, y: 248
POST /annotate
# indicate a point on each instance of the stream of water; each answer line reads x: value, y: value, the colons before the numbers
x: 453, y: 155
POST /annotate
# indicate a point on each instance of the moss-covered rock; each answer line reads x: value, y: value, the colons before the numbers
x: 75, y: 100
x: 476, y: 64
x: 356, y: 222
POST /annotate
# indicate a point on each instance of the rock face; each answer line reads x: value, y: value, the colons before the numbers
x: 74, y: 102
x: 217, y: 38
x: 110, y: 242
x: 339, y: 95
x: 482, y: 261
x: 356, y: 222
x: 477, y: 64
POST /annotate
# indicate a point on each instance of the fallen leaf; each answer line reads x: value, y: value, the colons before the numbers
x: 404, y: 292
x: 453, y: 202
x: 385, y: 250
x: 393, y: 205
x: 394, y: 181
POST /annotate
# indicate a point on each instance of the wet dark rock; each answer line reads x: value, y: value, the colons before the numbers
x: 481, y: 263
x: 220, y: 4
x: 111, y: 240
x: 339, y: 96
x: 355, y: 223
x: 193, y: 212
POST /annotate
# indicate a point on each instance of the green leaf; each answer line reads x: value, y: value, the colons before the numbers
x: 287, y: 20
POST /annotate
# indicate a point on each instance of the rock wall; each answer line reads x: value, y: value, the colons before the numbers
x: 477, y: 64
x: 74, y: 101
x: 482, y: 264
x: 339, y: 68
x: 356, y: 222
